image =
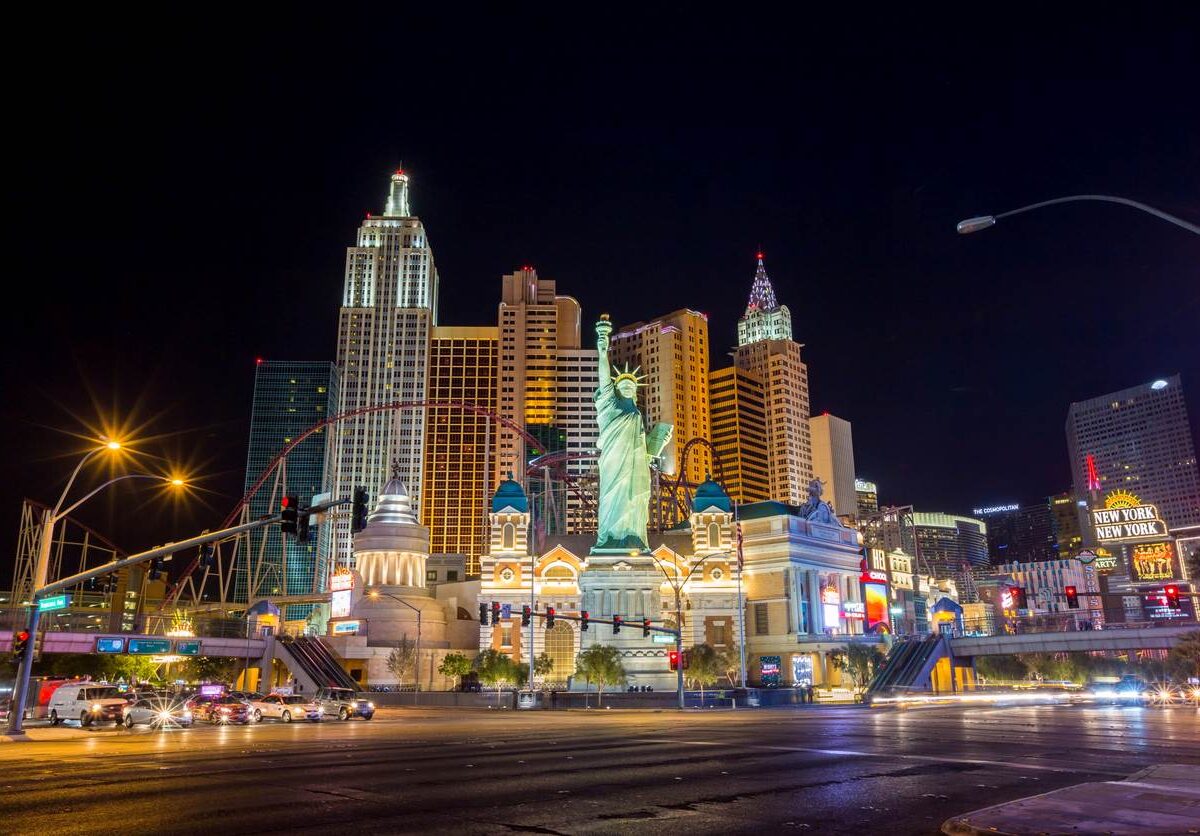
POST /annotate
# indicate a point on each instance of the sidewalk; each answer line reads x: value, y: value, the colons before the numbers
x: 1164, y: 798
x: 51, y: 734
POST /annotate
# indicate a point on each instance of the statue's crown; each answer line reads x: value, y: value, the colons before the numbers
x: 626, y: 374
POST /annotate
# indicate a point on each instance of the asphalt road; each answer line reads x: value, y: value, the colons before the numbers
x: 815, y: 769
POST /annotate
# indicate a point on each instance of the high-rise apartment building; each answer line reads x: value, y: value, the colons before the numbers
x: 389, y: 306
x: 766, y: 348
x: 535, y: 324
x: 289, y: 397
x: 866, y: 496
x: 1140, y: 441
x: 737, y: 405
x: 672, y: 353
x: 461, y: 468
x: 833, y: 461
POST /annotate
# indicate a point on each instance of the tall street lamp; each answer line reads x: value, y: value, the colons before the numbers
x: 984, y: 221
x: 375, y: 593
x: 677, y: 586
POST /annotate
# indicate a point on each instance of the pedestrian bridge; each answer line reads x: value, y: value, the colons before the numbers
x: 60, y: 642
x: 1084, y: 641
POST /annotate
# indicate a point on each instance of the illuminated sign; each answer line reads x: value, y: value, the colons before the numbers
x: 1152, y: 561
x: 212, y: 690
x: 1125, y: 517
x: 830, y: 595
x: 339, y: 604
x: 769, y: 667
x: 106, y: 645
x: 996, y: 509
x: 342, y: 580
x: 188, y: 648
x: 150, y: 647
x: 876, y: 605
x: 873, y: 575
x: 346, y: 628
x: 854, y: 609
x: 55, y: 602
x: 1007, y: 599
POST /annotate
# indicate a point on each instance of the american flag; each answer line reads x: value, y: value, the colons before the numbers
x: 739, y: 547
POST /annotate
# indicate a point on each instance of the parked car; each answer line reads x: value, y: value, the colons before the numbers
x: 217, y: 710
x: 157, y: 711
x: 286, y: 707
x: 344, y: 704
x: 87, y: 702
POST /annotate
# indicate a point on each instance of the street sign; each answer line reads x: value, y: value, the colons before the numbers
x: 506, y: 610
x: 191, y: 647
x: 108, y: 645
x: 54, y: 602
x: 662, y: 638
x: 150, y: 647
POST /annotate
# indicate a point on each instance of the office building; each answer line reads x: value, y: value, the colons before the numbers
x: 1019, y: 533
x: 672, y: 354
x: 766, y: 349
x: 389, y: 306
x: 833, y: 461
x: 737, y: 406
x: 460, y: 462
x: 1065, y: 511
x: 866, y: 496
x: 289, y: 398
x: 1138, y: 440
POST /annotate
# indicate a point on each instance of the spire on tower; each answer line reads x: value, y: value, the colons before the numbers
x: 397, y: 202
x: 762, y: 295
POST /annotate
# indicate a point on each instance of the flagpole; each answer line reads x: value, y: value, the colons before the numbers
x: 741, y: 607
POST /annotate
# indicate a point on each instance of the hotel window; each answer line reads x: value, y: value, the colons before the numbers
x: 761, y: 621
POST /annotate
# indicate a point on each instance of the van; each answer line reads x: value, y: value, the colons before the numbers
x: 87, y: 702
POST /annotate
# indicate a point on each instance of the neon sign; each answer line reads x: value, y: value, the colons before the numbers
x: 1125, y: 517
x: 1152, y: 561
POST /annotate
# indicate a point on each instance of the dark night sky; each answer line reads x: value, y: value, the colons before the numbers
x: 183, y: 201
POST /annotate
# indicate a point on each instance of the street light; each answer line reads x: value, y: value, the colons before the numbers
x: 984, y: 221
x: 375, y: 594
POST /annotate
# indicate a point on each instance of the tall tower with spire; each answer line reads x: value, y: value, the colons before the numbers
x: 769, y: 358
x: 389, y: 307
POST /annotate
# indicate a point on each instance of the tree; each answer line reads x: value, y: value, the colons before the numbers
x: 730, y: 661
x: 703, y: 667
x: 1185, y: 656
x: 600, y: 663
x: 402, y: 659
x: 1007, y: 668
x: 455, y: 665
x: 1192, y: 561
x: 860, y: 662
x: 494, y: 668
x: 210, y: 669
x: 543, y: 665
x: 134, y: 669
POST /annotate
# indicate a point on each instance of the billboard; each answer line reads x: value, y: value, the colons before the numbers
x: 1153, y: 562
x: 1125, y: 517
x: 876, y: 600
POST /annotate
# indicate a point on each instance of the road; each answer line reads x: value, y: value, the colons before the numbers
x: 814, y: 769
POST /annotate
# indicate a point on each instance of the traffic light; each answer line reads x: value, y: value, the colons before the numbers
x: 1172, y: 595
x: 673, y: 659
x: 495, y: 612
x: 687, y: 659
x: 20, y: 646
x: 525, y: 614
x: 358, y: 515
x: 1021, y: 600
x: 207, y: 556
x: 583, y: 620
x: 303, y: 526
x: 1072, y: 598
x: 549, y: 618
x: 289, y: 511
x: 616, y: 624
x: 645, y: 628
x: 156, y: 568
x: 483, y: 615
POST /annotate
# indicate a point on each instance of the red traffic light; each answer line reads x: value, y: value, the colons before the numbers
x: 673, y: 659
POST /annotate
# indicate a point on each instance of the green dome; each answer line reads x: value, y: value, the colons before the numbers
x: 510, y: 494
x: 711, y: 494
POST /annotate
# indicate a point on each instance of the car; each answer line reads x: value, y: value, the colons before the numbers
x: 157, y: 711
x: 286, y: 707
x: 88, y: 702
x: 343, y: 703
x: 218, y: 710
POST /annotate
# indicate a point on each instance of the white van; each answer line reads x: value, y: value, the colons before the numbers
x: 87, y: 702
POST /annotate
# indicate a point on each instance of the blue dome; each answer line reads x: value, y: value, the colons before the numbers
x: 510, y: 494
x: 711, y: 494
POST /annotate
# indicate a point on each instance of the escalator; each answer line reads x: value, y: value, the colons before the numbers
x: 313, y: 665
x: 899, y: 655
x: 908, y: 666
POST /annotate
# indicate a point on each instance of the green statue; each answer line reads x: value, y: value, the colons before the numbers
x: 625, y: 455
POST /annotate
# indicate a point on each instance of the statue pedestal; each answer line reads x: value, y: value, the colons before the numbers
x: 628, y: 585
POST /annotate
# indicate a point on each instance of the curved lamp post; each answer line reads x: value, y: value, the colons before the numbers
x: 984, y: 221
x: 376, y: 594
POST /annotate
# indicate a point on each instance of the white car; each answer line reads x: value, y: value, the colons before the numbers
x: 157, y: 711
x: 286, y: 707
x: 87, y: 702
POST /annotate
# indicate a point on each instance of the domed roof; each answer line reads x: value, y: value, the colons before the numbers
x: 711, y: 494
x: 394, y: 506
x: 510, y: 494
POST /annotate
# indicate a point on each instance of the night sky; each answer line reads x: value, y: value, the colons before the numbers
x: 180, y: 203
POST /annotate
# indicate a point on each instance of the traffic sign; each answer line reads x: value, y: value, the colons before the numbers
x: 150, y: 647
x: 662, y: 638
x: 506, y: 610
x: 191, y: 647
x: 110, y: 645
x: 54, y: 602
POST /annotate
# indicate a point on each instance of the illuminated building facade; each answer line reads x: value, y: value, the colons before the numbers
x: 1140, y: 441
x: 1045, y: 583
x: 950, y: 546
x: 575, y: 418
x: 766, y: 349
x: 1065, y: 511
x: 289, y: 397
x: 672, y: 352
x: 1019, y: 533
x: 866, y: 497
x: 460, y: 464
x: 833, y: 461
x: 389, y: 307
x: 737, y: 405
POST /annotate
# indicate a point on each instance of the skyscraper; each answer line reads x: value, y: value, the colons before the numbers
x: 460, y: 461
x: 578, y: 376
x: 672, y: 352
x: 1064, y: 520
x: 1019, y: 533
x: 833, y: 461
x: 737, y: 403
x: 766, y: 348
x: 866, y: 497
x: 389, y: 306
x: 1140, y: 440
x: 289, y: 397
x: 950, y: 546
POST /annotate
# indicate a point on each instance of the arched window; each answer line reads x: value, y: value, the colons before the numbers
x: 508, y: 537
x: 714, y: 535
x: 559, y: 573
x: 560, y: 647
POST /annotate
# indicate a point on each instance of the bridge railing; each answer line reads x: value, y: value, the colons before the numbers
x: 83, y: 620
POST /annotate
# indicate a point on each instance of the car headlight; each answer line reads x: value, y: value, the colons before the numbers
x: 96, y: 707
x: 165, y: 716
x: 187, y: 715
x: 320, y: 710
x: 371, y: 706
x: 224, y: 710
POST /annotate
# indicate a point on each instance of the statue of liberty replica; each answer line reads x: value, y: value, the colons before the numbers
x: 626, y: 453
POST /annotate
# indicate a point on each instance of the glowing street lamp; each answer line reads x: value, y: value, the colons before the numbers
x: 981, y: 222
